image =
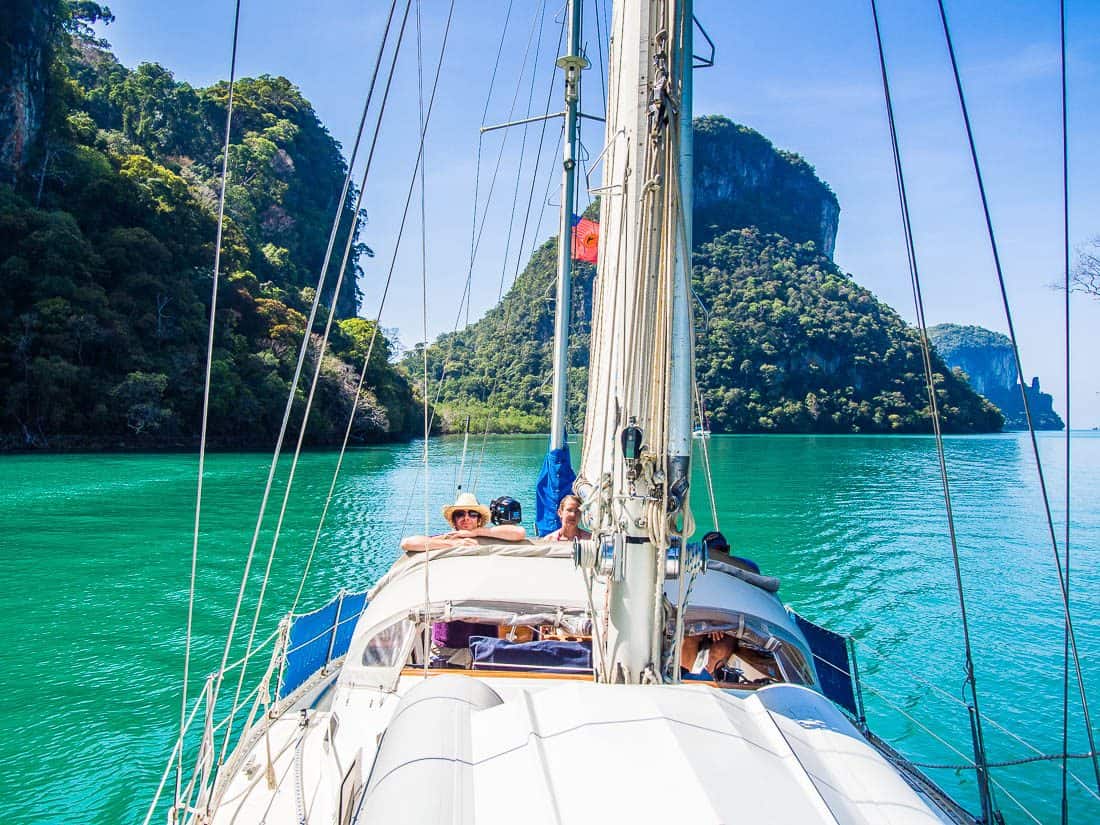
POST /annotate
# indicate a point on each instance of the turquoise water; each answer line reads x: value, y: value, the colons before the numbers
x: 97, y: 558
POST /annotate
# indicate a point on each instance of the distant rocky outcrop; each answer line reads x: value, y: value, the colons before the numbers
x: 987, y: 360
x: 742, y: 180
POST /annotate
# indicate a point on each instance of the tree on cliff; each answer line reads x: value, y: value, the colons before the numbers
x: 795, y: 345
x: 986, y: 359
x: 1086, y: 274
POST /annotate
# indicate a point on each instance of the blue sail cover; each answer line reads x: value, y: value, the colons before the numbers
x: 555, y: 482
x: 319, y: 637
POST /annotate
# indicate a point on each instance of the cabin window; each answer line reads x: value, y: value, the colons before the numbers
x: 793, y: 664
x: 538, y: 646
x: 390, y: 646
x: 748, y: 653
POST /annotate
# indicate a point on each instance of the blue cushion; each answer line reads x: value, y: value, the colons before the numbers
x: 501, y: 654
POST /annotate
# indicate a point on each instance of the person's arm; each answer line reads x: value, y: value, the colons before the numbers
x: 506, y: 532
x: 499, y: 532
x: 418, y: 544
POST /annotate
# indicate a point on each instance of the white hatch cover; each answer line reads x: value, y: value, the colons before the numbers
x: 584, y: 752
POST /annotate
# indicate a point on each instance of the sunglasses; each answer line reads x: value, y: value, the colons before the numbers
x: 457, y: 514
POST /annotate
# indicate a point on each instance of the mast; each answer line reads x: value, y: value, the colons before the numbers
x: 637, y: 439
x: 683, y: 345
x: 572, y: 63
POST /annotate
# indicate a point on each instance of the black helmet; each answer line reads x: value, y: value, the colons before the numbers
x: 505, y: 510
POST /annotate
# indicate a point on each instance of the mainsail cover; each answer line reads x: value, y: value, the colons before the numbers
x: 642, y: 249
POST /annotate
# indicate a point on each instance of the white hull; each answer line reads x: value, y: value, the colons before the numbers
x: 501, y: 747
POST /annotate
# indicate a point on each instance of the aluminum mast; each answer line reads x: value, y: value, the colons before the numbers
x: 572, y: 63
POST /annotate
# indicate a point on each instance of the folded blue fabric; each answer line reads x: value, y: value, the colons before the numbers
x: 501, y: 654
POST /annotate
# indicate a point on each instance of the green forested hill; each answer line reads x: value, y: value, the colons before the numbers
x: 497, y: 371
x: 788, y: 342
x: 107, y: 228
x: 795, y: 345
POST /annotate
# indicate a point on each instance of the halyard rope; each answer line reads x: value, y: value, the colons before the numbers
x: 206, y: 390
x: 1063, y: 579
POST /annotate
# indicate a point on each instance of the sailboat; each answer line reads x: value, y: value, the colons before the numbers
x: 573, y: 681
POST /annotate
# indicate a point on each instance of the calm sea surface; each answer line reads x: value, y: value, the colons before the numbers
x: 96, y: 558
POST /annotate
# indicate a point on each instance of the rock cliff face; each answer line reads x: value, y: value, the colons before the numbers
x: 24, y: 59
x: 742, y: 180
x: 986, y: 358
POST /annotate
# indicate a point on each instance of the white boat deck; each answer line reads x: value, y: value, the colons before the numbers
x: 556, y: 751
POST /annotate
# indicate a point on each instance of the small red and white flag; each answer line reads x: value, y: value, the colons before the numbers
x: 586, y: 240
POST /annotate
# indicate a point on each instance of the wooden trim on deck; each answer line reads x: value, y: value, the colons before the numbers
x: 498, y: 674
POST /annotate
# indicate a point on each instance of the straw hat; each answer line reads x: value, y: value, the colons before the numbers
x: 466, y: 501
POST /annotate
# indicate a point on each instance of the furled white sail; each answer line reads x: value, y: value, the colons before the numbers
x: 642, y: 235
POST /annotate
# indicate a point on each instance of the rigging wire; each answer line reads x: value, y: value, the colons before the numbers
x: 515, y: 198
x: 707, y: 472
x: 328, y: 325
x: 522, y: 156
x: 1062, y: 573
x: 1066, y: 287
x: 460, y: 470
x: 385, y: 295
x: 550, y: 177
x: 424, y: 316
x: 275, y: 458
x: 206, y: 387
x: 918, y: 301
x: 955, y: 699
x: 475, y: 235
x: 531, y: 38
x: 599, y: 50
x: 538, y: 160
x: 476, y: 229
x: 967, y: 765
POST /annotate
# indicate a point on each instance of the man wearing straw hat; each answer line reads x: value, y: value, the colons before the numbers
x: 470, y: 520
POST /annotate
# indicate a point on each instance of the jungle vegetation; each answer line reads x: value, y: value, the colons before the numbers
x: 107, y: 237
x: 788, y: 343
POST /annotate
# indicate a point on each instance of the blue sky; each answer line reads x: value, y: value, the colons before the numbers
x: 803, y: 74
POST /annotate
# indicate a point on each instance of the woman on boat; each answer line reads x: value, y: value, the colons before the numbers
x: 569, y: 511
x: 469, y: 518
